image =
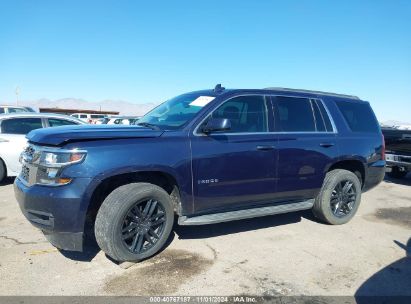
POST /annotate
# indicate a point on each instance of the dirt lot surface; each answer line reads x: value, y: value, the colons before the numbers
x: 288, y: 254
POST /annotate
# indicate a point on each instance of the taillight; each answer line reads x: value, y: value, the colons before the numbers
x: 383, y: 147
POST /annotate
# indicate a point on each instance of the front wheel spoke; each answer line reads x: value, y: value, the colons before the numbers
x: 137, y: 243
x: 157, y: 215
x: 147, y: 208
x: 136, y: 211
x: 153, y: 233
x: 130, y: 234
x: 129, y: 227
x: 152, y: 208
x: 337, y: 207
x: 347, y: 187
x: 148, y: 238
x: 132, y: 216
x: 158, y: 222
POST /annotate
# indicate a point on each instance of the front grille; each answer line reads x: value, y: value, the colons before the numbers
x: 29, y: 151
x: 25, y: 173
x: 28, y: 157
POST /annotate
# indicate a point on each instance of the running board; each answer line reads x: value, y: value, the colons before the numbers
x: 244, y: 214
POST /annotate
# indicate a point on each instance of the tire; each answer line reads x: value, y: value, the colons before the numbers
x: 3, y: 171
x: 396, y: 173
x: 122, y: 214
x: 333, y: 208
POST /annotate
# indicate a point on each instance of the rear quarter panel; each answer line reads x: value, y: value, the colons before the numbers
x: 365, y: 147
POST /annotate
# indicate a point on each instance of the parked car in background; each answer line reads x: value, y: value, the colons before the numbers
x: 13, y: 130
x: 203, y: 157
x: 14, y: 109
x: 398, y: 151
x: 121, y: 120
x: 88, y: 118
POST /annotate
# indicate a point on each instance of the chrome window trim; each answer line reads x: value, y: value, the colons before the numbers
x: 330, y: 117
x: 334, y: 131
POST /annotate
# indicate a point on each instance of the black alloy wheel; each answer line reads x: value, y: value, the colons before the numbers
x: 143, y: 225
x: 343, y: 198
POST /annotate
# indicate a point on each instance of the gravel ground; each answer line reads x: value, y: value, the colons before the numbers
x: 289, y: 254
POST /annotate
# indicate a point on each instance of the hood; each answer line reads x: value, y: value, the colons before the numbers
x: 57, y: 136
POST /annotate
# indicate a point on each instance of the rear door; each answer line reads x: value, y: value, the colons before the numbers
x: 307, y: 144
x: 236, y: 168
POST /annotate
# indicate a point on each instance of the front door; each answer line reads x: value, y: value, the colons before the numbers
x: 236, y: 168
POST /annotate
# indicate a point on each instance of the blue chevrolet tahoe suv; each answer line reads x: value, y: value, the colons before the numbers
x: 200, y: 158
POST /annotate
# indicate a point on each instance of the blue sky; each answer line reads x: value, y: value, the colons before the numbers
x: 149, y: 51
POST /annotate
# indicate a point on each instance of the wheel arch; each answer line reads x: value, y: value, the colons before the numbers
x: 353, y: 165
x: 105, y: 186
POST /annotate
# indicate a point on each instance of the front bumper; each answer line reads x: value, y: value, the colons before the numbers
x: 59, y: 212
x: 394, y: 160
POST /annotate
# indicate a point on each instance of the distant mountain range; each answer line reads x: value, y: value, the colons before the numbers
x: 124, y: 107
x: 392, y: 123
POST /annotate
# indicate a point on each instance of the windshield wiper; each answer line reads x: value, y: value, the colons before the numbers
x: 149, y: 125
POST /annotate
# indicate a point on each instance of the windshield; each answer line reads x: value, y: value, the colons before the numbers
x: 176, y: 112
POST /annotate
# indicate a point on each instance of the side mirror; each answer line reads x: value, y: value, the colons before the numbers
x: 217, y: 125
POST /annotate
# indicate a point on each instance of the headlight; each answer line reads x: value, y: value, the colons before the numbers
x: 44, y: 166
x: 51, y: 164
x: 60, y: 159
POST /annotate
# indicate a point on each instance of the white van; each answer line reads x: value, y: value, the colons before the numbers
x: 90, y: 118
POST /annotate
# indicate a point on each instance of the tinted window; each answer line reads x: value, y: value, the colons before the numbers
x: 358, y: 116
x: 20, y: 125
x: 246, y: 114
x: 94, y: 116
x: 1, y: 110
x: 60, y: 122
x: 295, y: 114
x: 83, y: 116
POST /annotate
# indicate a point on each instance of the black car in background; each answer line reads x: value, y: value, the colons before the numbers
x: 398, y: 151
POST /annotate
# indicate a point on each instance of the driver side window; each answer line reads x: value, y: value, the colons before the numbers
x: 247, y: 114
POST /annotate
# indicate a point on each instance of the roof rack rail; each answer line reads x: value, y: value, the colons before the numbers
x: 312, y: 92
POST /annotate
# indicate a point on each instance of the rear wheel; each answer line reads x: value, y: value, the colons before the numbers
x: 134, y: 222
x: 339, y: 198
x: 3, y: 171
x: 397, y: 173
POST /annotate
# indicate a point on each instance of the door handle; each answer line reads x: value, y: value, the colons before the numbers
x: 327, y: 144
x: 265, y: 148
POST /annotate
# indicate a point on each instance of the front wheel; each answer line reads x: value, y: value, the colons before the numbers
x: 134, y: 222
x: 339, y: 198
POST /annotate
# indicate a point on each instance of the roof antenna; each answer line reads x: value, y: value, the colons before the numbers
x: 218, y: 88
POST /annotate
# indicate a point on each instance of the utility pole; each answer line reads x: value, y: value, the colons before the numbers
x: 17, y: 95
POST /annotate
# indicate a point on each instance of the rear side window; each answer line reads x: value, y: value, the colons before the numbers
x: 1, y: 110
x: 358, y: 116
x: 60, y: 122
x: 83, y: 116
x: 20, y: 125
x: 295, y: 114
